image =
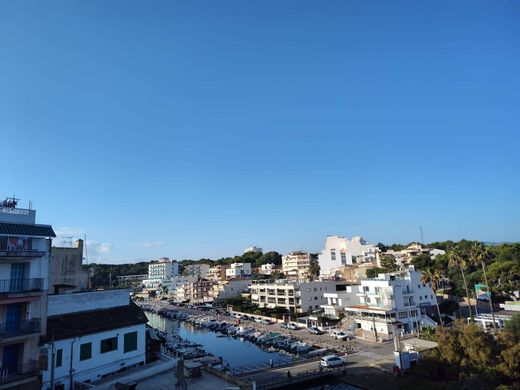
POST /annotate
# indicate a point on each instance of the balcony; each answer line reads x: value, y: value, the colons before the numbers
x: 20, y: 286
x: 20, y: 372
x: 20, y: 328
x: 21, y: 253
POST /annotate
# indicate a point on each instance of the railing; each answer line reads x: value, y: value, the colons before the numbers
x: 300, y: 377
x: 21, y: 285
x: 21, y: 371
x: 20, y: 328
x: 21, y: 253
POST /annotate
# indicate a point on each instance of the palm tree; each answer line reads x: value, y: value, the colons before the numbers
x: 432, y: 276
x: 456, y: 258
x: 480, y: 254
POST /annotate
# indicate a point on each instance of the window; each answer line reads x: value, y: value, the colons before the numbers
x: 315, y: 298
x: 130, y: 342
x: 108, y: 345
x: 59, y: 357
x: 85, y: 351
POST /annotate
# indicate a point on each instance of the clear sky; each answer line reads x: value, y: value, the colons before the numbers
x: 193, y: 129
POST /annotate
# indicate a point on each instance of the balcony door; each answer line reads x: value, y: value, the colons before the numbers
x: 13, y: 316
x: 19, y: 272
x: 11, y: 357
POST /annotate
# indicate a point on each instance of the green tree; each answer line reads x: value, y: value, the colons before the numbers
x: 457, y: 259
x: 314, y: 269
x: 480, y: 256
x: 388, y: 263
x: 373, y: 272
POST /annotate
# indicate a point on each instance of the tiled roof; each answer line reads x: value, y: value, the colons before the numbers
x: 27, y: 230
x: 65, y: 326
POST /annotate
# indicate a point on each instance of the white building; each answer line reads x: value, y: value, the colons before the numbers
x: 267, y: 269
x: 238, y: 270
x: 175, y: 283
x: 296, y: 265
x: 292, y: 295
x: 394, y: 301
x: 199, y: 270
x: 161, y: 271
x: 229, y: 289
x: 338, y: 300
x: 253, y: 248
x: 91, y: 335
x: 24, y: 273
x: 340, y: 251
x: 405, y: 256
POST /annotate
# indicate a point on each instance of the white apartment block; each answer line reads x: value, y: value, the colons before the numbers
x: 405, y: 256
x: 175, y: 283
x: 198, y: 270
x: 296, y: 265
x: 338, y: 300
x: 267, y: 269
x: 395, y: 302
x: 340, y: 252
x: 25, y: 250
x: 294, y: 296
x: 161, y: 271
x: 253, y: 248
x: 91, y: 335
x: 238, y: 270
x: 229, y: 289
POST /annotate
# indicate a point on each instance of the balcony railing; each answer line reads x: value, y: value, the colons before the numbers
x: 13, y: 286
x: 21, y: 253
x: 21, y: 371
x: 8, y: 329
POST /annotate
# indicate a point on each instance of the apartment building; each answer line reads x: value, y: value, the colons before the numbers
x: 161, y: 271
x: 405, y: 256
x: 24, y: 268
x: 218, y: 272
x: 340, y: 252
x: 394, y: 302
x: 174, y: 284
x: 345, y: 295
x: 198, y: 291
x: 267, y: 269
x: 238, y: 270
x: 91, y: 335
x: 297, y: 297
x: 229, y: 289
x: 296, y: 265
x: 198, y: 270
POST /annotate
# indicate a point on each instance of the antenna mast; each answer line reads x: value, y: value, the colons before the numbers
x: 422, y: 235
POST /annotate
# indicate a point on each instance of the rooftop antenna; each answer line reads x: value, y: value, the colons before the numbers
x: 86, y: 263
x: 422, y: 235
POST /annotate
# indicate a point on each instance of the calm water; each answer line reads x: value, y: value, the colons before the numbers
x: 236, y: 352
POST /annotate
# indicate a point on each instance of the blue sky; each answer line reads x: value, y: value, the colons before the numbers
x: 192, y: 129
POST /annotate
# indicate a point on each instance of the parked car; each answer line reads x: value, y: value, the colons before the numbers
x: 266, y: 322
x: 314, y: 330
x: 331, y: 361
x: 292, y: 326
x: 283, y: 325
x: 340, y: 335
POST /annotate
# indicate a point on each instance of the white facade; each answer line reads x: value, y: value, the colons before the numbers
x: 174, y: 284
x: 268, y: 268
x: 340, y: 251
x: 99, y: 364
x: 296, y: 265
x: 253, y: 248
x: 198, y: 270
x: 92, y: 348
x: 160, y: 272
x: 24, y: 280
x: 230, y: 289
x: 405, y: 256
x: 238, y: 270
x: 337, y: 301
x: 396, y: 300
x: 294, y: 296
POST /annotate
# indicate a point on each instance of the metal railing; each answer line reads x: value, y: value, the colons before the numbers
x: 21, y: 371
x: 20, y: 328
x: 21, y: 285
x: 21, y: 253
x: 300, y: 377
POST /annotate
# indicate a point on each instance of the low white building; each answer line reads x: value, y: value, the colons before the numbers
x: 238, y: 270
x: 340, y: 252
x: 175, y: 283
x: 394, y: 302
x: 199, y: 270
x: 405, y: 256
x: 91, y: 335
x: 267, y: 269
x: 296, y: 265
x: 229, y: 289
x: 292, y: 295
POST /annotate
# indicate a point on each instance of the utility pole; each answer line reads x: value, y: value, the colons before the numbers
x: 53, y: 354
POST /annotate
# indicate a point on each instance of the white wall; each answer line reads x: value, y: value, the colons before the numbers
x: 76, y: 302
x: 100, y: 363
